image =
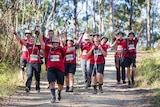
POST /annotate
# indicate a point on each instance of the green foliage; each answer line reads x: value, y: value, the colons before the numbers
x: 149, y: 71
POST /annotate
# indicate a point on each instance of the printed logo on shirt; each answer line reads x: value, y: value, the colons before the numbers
x: 84, y: 52
x: 33, y: 57
x: 131, y: 46
x: 69, y: 57
x: 119, y: 48
x: 54, y: 58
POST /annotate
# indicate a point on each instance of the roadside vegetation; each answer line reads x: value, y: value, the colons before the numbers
x: 148, y: 74
x: 10, y: 78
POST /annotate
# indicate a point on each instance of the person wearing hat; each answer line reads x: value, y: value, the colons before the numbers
x: 70, y: 65
x: 55, y: 66
x: 130, y: 55
x: 119, y: 56
x: 24, y: 51
x: 33, y: 61
x: 85, y: 46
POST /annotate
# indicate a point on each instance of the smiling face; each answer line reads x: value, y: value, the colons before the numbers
x: 55, y: 44
x: 120, y: 35
x: 32, y: 40
x: 51, y: 34
x: 69, y: 42
x: 131, y: 36
x: 28, y: 35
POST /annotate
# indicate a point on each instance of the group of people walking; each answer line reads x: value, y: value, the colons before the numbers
x: 60, y: 59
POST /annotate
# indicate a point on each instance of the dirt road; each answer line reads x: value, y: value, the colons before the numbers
x: 114, y: 95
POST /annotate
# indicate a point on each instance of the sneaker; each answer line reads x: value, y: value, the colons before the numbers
x: 38, y: 91
x: 27, y: 89
x: 71, y: 89
x: 133, y: 82
x: 100, y: 89
x: 59, y: 95
x: 95, y: 90
x: 118, y: 82
x: 124, y: 82
x: 53, y: 99
x: 129, y: 84
x: 67, y: 88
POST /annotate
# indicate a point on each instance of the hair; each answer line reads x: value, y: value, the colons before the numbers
x: 51, y: 31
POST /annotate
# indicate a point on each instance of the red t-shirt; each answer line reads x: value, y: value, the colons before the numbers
x: 119, y: 47
x: 70, y: 57
x: 46, y: 41
x: 85, y: 47
x: 56, y: 57
x: 100, y: 58
x: 33, y: 53
x: 24, y: 53
x: 130, y: 47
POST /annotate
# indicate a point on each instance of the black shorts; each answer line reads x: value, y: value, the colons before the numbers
x: 23, y: 62
x: 54, y: 74
x: 100, y: 69
x: 129, y: 62
x: 70, y: 68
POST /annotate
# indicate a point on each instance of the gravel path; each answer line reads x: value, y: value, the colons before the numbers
x: 114, y: 95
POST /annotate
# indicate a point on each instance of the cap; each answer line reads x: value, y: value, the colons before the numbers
x: 70, y: 38
x: 28, y: 31
x: 120, y: 32
x: 131, y: 32
x: 104, y: 37
x: 86, y: 36
x: 55, y: 39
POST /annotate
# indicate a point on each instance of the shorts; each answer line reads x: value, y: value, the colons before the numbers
x: 129, y: 62
x: 100, y: 69
x: 54, y: 74
x: 23, y: 62
x: 70, y: 68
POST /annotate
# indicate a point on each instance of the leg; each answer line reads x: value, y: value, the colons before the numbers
x: 117, y: 63
x: 123, y: 70
x: 37, y: 76
x: 83, y: 66
x: 72, y: 71
x: 51, y: 79
x: 29, y: 77
x: 100, y: 76
x: 88, y: 73
x: 66, y: 77
x: 23, y: 63
x: 60, y: 82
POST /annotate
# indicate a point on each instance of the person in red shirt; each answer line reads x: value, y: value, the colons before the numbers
x: 85, y: 46
x: 70, y: 65
x: 55, y: 66
x: 34, y: 62
x: 119, y: 56
x: 130, y: 54
x: 97, y: 62
x: 24, y: 54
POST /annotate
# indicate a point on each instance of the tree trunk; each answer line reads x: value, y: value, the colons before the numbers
x: 75, y: 19
x: 94, y: 16
x: 111, y: 16
x: 148, y: 25
x: 131, y: 13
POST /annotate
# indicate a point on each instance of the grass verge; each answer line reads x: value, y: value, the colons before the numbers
x: 148, y: 74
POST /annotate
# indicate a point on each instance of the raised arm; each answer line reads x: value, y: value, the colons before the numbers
x: 41, y: 41
x: 142, y: 27
x: 14, y: 34
x: 112, y: 33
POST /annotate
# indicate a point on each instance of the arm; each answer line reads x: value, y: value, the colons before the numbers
x: 114, y: 43
x: 103, y: 52
x: 41, y: 41
x: 13, y: 32
x: 71, y: 49
x: 90, y: 51
x: 112, y: 33
x: 139, y: 34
